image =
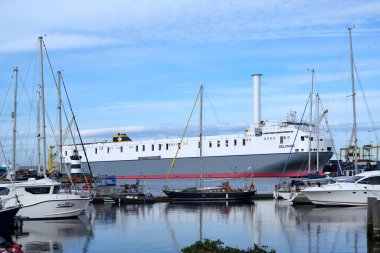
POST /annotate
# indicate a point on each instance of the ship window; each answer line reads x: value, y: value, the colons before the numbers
x: 143, y: 148
x: 302, y: 138
x: 55, y: 189
x: 179, y: 145
x: 243, y: 142
x: 4, y: 191
x: 96, y: 150
x: 159, y: 146
x: 218, y: 144
x: 199, y: 144
x: 137, y: 148
x: 370, y: 180
x: 152, y: 147
x: 167, y: 146
x: 38, y: 190
x: 281, y: 139
x: 226, y: 143
x: 329, y: 148
x: 235, y: 142
x: 108, y: 149
x: 66, y: 153
x: 210, y: 144
x: 121, y: 149
x: 297, y: 149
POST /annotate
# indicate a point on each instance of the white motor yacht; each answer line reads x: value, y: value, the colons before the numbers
x: 353, y: 191
x: 41, y: 199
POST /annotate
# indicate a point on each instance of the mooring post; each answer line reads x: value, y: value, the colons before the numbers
x: 376, y: 221
x: 370, y: 211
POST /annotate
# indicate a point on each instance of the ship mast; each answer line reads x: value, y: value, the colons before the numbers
x: 43, y: 108
x: 14, y: 116
x: 317, y: 115
x: 59, y: 120
x: 39, y: 132
x: 354, y: 133
x: 200, y: 137
x: 310, y: 117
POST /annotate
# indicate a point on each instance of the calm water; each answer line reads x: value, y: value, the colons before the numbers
x: 165, y: 227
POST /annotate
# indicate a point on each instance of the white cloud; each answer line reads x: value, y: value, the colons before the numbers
x: 98, y: 23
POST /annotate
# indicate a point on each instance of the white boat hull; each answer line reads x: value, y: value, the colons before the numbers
x: 54, y: 209
x: 347, y: 194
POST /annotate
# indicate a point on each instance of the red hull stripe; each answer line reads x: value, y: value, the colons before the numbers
x: 217, y: 175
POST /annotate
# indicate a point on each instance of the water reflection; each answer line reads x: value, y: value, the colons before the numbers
x: 55, y: 235
x: 168, y: 227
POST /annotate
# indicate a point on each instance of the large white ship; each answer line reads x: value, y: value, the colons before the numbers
x: 266, y: 149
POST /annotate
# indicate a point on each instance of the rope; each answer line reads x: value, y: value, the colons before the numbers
x: 367, y: 107
x: 294, y: 140
x: 72, y: 112
x: 180, y: 143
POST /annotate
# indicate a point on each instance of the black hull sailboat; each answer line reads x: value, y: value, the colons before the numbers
x: 218, y: 193
x: 7, y: 216
x: 199, y: 195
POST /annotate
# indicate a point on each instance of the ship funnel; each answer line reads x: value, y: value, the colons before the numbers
x: 256, y: 100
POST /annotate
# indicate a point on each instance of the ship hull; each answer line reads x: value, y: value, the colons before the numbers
x: 263, y: 165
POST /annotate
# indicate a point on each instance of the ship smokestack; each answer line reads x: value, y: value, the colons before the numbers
x: 256, y: 100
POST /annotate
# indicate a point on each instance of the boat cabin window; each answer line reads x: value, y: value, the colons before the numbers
x: 4, y: 191
x: 121, y: 149
x: 281, y: 139
x: 38, y: 190
x: 218, y: 144
x: 353, y: 179
x: 210, y: 144
x: 96, y: 150
x: 108, y: 149
x: 226, y: 143
x: 235, y: 142
x: 243, y: 142
x: 137, y: 148
x: 66, y: 153
x: 302, y: 138
x: 370, y: 180
x: 167, y: 146
x: 159, y: 146
x: 56, y: 189
x: 152, y: 147
x: 143, y: 148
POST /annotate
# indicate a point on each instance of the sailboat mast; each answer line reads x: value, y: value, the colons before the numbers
x: 200, y: 137
x: 310, y: 117
x: 353, y: 102
x: 39, y: 132
x: 317, y: 113
x: 59, y: 120
x: 43, y: 108
x: 14, y: 116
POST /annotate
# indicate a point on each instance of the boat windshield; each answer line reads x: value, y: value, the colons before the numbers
x: 353, y: 179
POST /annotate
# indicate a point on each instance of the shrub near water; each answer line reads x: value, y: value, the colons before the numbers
x: 209, y: 246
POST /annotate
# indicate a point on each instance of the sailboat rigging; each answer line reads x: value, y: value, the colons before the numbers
x: 40, y: 198
x: 202, y: 193
x: 353, y: 190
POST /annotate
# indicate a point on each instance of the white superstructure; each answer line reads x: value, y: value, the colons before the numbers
x: 264, y: 147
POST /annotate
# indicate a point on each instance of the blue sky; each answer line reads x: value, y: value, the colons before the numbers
x: 136, y: 66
